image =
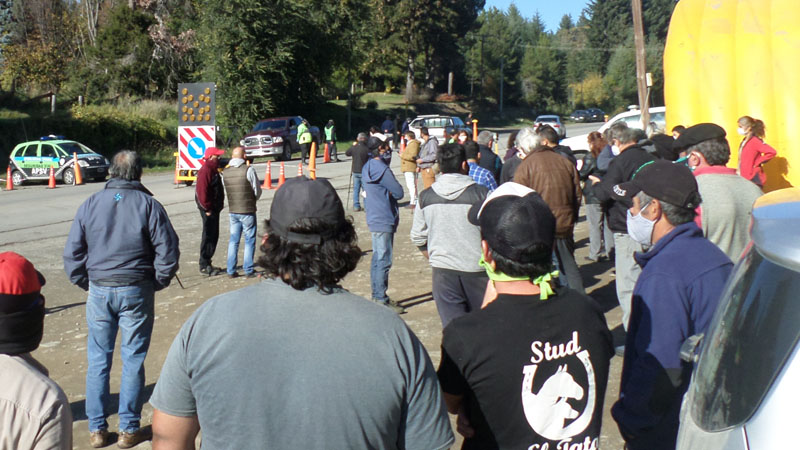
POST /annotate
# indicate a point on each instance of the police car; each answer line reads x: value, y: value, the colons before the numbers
x: 33, y: 160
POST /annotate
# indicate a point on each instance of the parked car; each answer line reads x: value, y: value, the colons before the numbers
x: 275, y: 137
x: 632, y: 118
x: 579, y: 115
x: 553, y: 121
x: 595, y: 115
x: 32, y: 161
x: 436, y: 125
x: 744, y: 391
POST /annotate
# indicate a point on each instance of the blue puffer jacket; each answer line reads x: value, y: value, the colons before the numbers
x: 383, y: 192
x: 121, y: 234
x: 675, y: 297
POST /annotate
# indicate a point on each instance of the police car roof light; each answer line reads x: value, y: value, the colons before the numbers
x: 51, y: 137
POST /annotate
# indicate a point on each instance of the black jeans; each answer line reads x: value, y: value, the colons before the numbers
x: 565, y: 253
x: 457, y: 293
x: 210, y: 236
x: 304, y: 150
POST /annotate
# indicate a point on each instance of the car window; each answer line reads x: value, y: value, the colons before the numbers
x: 436, y: 122
x: 547, y: 119
x: 74, y: 147
x: 29, y: 150
x: 753, y: 333
x: 417, y: 123
x: 270, y: 125
x: 458, y: 123
x: 48, y: 151
x: 293, y: 122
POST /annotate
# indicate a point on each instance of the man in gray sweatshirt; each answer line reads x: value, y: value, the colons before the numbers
x: 445, y: 236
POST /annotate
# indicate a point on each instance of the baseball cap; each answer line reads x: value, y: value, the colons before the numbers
x: 664, y: 180
x: 20, y: 282
x: 213, y: 151
x: 512, y: 219
x: 697, y: 134
x: 304, y: 198
x: 21, y: 305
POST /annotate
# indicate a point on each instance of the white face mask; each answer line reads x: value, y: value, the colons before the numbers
x: 640, y: 229
x: 615, y: 150
x: 741, y: 131
x: 462, y: 139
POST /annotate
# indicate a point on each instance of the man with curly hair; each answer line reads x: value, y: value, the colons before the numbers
x: 295, y: 361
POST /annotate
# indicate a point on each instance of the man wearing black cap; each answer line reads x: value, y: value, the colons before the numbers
x: 34, y: 412
x: 674, y: 298
x: 360, y: 154
x: 295, y: 361
x: 209, y: 194
x: 724, y: 215
x: 121, y: 248
x: 383, y: 191
x: 629, y: 158
x: 529, y: 370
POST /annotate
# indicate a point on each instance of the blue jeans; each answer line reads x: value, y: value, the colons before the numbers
x: 129, y: 308
x: 356, y: 190
x: 248, y: 223
x: 381, y: 263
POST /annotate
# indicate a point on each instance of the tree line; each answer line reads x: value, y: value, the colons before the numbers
x: 282, y: 57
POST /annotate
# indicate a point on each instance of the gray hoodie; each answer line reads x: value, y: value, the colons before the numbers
x: 441, y: 226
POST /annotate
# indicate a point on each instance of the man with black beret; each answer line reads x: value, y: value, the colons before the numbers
x: 529, y: 369
x: 724, y: 215
x: 34, y: 412
x: 295, y: 361
x: 675, y: 296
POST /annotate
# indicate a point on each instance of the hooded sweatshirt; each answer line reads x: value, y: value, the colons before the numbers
x: 383, y: 192
x: 441, y: 226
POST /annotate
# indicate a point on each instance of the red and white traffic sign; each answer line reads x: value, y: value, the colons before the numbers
x: 192, y: 145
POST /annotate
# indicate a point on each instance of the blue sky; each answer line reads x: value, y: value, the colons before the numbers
x: 551, y: 11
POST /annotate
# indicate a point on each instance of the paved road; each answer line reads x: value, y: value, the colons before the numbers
x: 36, y: 221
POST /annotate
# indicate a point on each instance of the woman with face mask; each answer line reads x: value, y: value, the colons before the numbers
x: 753, y: 151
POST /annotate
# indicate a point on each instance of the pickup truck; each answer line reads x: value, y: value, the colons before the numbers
x: 276, y: 137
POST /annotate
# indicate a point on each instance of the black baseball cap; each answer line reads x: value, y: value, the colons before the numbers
x: 669, y: 182
x: 304, y: 198
x: 697, y: 134
x: 512, y: 219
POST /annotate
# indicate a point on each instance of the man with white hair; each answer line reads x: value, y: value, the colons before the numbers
x: 527, y: 140
x: 488, y: 159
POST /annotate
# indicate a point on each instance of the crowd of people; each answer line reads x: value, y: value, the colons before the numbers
x: 296, y: 361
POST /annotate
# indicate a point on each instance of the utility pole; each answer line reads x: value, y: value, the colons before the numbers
x: 641, y: 66
x: 482, y: 39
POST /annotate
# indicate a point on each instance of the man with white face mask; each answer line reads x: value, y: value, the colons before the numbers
x: 621, y: 169
x: 682, y: 278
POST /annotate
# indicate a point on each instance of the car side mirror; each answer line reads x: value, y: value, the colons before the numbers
x: 689, y: 348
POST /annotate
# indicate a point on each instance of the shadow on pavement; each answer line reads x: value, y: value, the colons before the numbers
x: 60, y: 308
x: 78, y: 408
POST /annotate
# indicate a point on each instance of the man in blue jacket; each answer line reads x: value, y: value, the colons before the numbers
x: 383, y: 192
x: 675, y: 297
x: 121, y: 248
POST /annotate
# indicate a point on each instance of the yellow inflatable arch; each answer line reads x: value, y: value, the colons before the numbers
x: 728, y: 58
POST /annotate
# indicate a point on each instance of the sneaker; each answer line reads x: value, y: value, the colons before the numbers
x: 251, y: 275
x: 210, y: 270
x: 233, y: 275
x: 128, y: 440
x: 411, y: 206
x: 619, y: 350
x: 394, y: 306
x: 357, y: 209
x: 98, y: 439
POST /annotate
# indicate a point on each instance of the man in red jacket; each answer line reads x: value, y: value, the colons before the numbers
x: 210, y: 198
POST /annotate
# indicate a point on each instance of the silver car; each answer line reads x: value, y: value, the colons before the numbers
x: 746, y: 385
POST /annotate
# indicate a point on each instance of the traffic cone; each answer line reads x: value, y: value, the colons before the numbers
x: 52, y: 183
x: 402, y: 145
x: 9, y: 182
x: 312, y: 162
x: 300, y: 169
x: 475, y: 130
x: 77, y: 168
x: 327, y: 157
x: 282, y: 176
x: 177, y: 171
x: 268, y: 177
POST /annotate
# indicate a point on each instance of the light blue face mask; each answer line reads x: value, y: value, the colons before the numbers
x: 640, y: 229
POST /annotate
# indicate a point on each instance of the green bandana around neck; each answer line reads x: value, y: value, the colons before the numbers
x: 543, y: 281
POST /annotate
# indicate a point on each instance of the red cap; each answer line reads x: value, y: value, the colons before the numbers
x: 213, y: 151
x: 18, y: 276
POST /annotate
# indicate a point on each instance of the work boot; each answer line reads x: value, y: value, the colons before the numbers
x: 210, y: 270
x: 128, y: 440
x: 394, y: 306
x: 98, y: 439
